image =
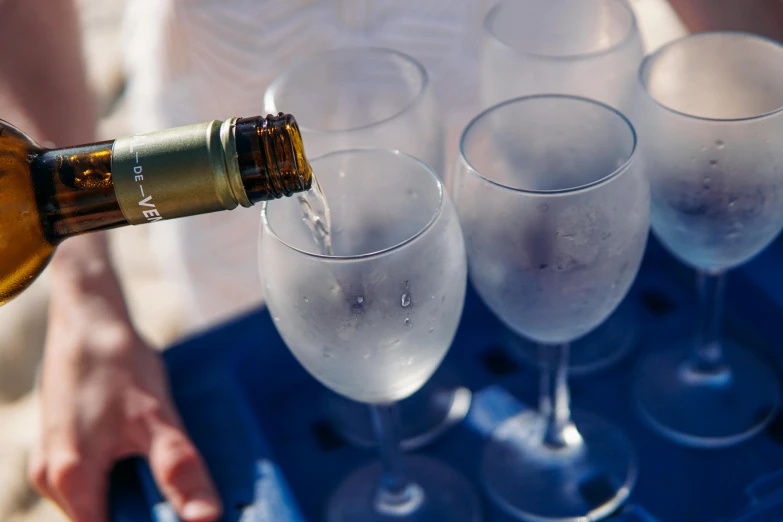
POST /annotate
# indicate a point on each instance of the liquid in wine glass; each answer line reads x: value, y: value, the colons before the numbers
x: 316, y: 215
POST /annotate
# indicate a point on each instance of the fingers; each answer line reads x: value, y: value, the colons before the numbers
x: 36, y: 472
x: 181, y: 474
x: 75, y: 483
x: 99, y: 408
x: 82, y: 486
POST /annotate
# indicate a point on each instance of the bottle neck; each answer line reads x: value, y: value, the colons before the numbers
x: 74, y: 190
x: 168, y: 174
x: 208, y: 167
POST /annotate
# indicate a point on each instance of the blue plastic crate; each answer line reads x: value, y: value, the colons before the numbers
x: 260, y: 422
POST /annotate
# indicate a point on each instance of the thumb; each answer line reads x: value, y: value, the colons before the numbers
x: 181, y: 473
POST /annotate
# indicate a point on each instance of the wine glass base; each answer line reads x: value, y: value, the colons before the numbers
x: 599, y: 350
x: 424, y: 416
x: 706, y: 411
x: 533, y: 482
x: 447, y: 496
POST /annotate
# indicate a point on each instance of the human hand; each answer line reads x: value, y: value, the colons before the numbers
x: 104, y: 397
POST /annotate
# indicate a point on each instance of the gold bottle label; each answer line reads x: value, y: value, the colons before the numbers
x: 177, y: 172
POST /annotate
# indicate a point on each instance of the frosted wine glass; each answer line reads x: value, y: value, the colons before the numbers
x: 555, y: 212
x: 589, y: 48
x: 709, y: 109
x: 373, y: 98
x: 374, y: 321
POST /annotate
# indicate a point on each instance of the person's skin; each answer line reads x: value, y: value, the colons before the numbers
x: 103, y: 391
x: 764, y: 17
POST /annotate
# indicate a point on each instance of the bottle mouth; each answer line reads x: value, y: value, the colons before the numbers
x: 289, y: 170
x: 300, y: 177
x: 272, y: 160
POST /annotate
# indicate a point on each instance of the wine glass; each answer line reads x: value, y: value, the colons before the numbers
x: 370, y: 97
x: 708, y: 110
x: 374, y: 321
x: 589, y: 48
x: 555, y: 212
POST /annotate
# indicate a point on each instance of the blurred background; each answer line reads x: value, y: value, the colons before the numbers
x: 161, y: 311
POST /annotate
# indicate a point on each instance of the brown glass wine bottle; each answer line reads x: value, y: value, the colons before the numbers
x: 49, y: 195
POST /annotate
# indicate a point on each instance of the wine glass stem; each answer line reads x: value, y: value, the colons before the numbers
x: 555, y: 401
x: 707, y: 358
x: 396, y: 493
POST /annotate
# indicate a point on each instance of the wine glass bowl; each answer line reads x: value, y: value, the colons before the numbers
x: 550, y: 256
x: 712, y: 152
x: 374, y: 321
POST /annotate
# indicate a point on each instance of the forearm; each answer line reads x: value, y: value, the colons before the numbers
x: 83, y: 279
